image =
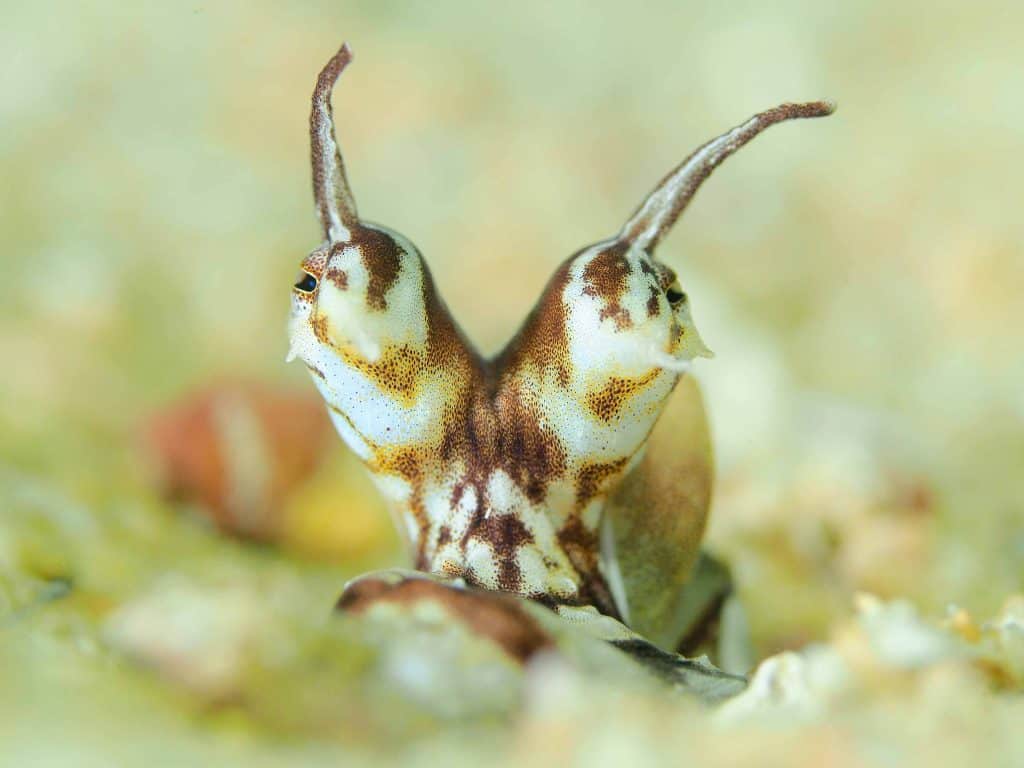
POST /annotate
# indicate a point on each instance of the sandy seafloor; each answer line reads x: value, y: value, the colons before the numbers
x: 859, y: 279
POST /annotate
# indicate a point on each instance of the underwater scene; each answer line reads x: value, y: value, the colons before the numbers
x: 179, y: 517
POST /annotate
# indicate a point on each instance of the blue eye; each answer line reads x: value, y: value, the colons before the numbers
x: 307, y: 284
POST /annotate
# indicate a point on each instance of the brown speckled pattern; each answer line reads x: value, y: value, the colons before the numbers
x: 495, y: 617
x: 497, y: 470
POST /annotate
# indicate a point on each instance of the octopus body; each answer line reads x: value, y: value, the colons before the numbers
x: 527, y: 472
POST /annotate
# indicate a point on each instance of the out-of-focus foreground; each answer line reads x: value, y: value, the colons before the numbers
x: 859, y: 279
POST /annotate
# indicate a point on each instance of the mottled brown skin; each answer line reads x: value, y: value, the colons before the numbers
x: 540, y: 340
x: 607, y: 402
x: 500, y: 470
x: 496, y: 426
x: 498, y: 618
x: 492, y: 423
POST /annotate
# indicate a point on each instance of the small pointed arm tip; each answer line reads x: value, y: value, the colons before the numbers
x: 782, y: 113
x: 788, y: 111
x: 332, y: 71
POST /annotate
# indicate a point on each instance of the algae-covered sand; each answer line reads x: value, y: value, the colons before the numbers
x: 859, y: 280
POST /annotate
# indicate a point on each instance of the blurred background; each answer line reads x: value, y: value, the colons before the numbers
x: 859, y: 279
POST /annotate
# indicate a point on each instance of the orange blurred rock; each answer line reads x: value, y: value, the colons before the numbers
x: 237, y: 450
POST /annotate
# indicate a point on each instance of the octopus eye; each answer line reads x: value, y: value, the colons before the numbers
x: 675, y: 296
x: 306, y: 283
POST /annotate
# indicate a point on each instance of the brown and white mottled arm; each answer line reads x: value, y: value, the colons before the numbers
x: 601, y: 350
x: 500, y: 470
x: 391, y: 364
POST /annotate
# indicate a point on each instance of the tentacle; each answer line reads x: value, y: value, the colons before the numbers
x: 655, y: 217
x: 334, y: 202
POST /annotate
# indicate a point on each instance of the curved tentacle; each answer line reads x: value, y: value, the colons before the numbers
x: 334, y: 202
x: 663, y: 206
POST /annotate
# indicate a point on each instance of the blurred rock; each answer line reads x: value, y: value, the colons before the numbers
x: 835, y: 508
x: 886, y: 651
x: 238, y: 450
x: 201, y: 639
x: 789, y: 686
x: 900, y: 639
x: 1009, y: 631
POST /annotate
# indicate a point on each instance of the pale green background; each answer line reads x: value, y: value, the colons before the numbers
x: 860, y: 278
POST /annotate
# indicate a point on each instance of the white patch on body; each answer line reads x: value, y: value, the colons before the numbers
x: 612, y: 572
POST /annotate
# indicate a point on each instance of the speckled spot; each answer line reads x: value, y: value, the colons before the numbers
x: 606, y: 277
x: 607, y: 402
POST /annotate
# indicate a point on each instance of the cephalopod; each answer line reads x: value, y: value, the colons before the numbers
x: 573, y: 467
